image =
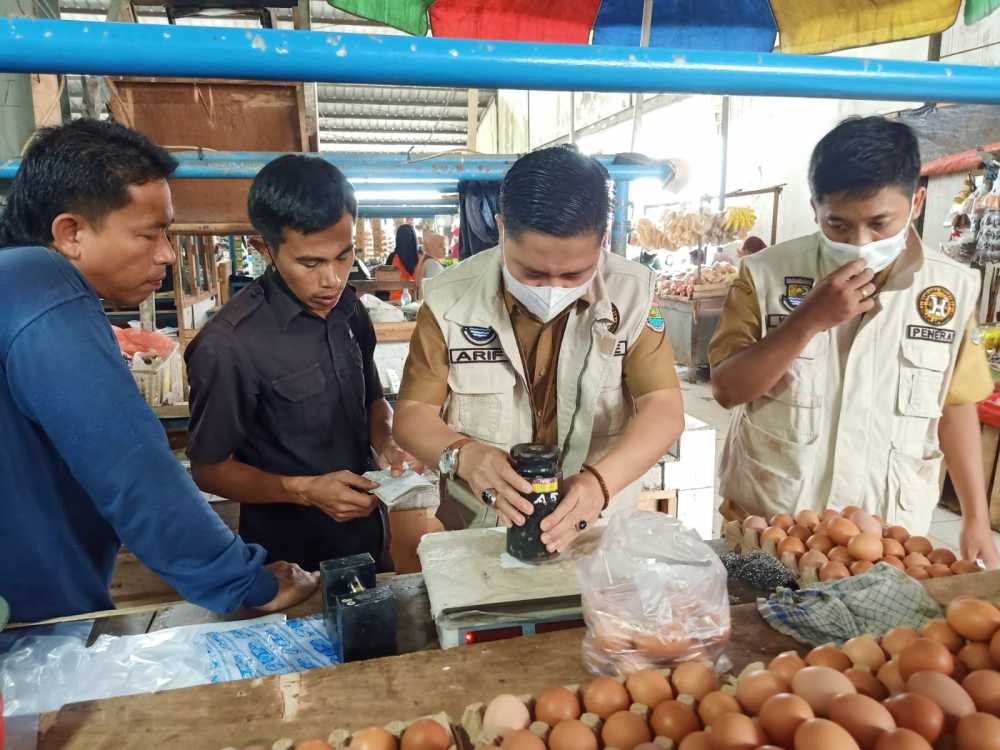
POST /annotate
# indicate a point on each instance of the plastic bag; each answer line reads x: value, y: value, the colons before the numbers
x: 654, y: 594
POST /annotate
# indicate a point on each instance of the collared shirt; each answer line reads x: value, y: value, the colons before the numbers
x: 279, y: 388
x: 648, y: 366
x: 85, y: 465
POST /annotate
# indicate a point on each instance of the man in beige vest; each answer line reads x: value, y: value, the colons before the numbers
x: 849, y: 357
x: 547, y: 339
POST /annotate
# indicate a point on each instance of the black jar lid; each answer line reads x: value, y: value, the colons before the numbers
x: 535, y: 457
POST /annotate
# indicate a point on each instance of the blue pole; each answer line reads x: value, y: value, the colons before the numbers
x: 422, y: 211
x: 99, y: 48
x: 619, y: 224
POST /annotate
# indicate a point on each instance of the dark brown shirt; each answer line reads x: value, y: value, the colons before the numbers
x: 281, y: 389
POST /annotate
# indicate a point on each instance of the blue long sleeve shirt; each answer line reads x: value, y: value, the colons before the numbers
x: 85, y: 465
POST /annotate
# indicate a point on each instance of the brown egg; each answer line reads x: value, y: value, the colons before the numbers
x: 889, y: 676
x: 864, y: 651
x: 313, y: 745
x: 864, y: 718
x: 861, y: 567
x: 995, y: 647
x: 782, y: 714
x: 842, y: 531
x: 808, y: 518
x: 609, y: 636
x: 674, y: 720
x: 916, y: 560
x: 919, y: 572
x: 625, y: 730
x: 695, y: 741
x: 662, y: 646
x: 820, y: 734
x: 557, y: 704
x: 892, y: 548
x: 523, y: 739
x: 974, y: 619
x: 943, y: 556
x: 818, y: 685
x: 917, y: 713
x: 425, y: 734
x: 976, y: 656
x: 978, y: 731
x: 849, y: 510
x: 939, y: 630
x: 828, y: 655
x: 865, y: 547
x: 800, y: 532
x: 791, y: 544
x: 753, y: 689
x: 901, y: 739
x: 964, y: 567
x: 840, y: 555
x: 983, y: 686
x: 782, y: 521
x: 772, y: 534
x: 572, y: 734
x: 506, y: 713
x: 787, y: 664
x: 867, y: 683
x: 373, y: 738
x: 829, y: 515
x: 647, y: 687
x: 918, y: 544
x: 937, y: 570
x: 715, y: 704
x: 894, y: 562
x: 605, y: 696
x: 925, y: 655
x: 898, y: 533
x: 695, y: 678
x: 944, y: 691
x: 735, y: 732
x: 813, y: 559
x: 758, y: 523
x: 960, y: 672
x: 820, y: 543
x: 834, y: 571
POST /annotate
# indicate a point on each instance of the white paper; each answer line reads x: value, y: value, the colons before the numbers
x: 392, y: 490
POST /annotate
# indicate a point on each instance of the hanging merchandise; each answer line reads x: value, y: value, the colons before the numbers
x: 561, y: 21
x: 977, y: 10
x: 679, y: 229
x: 406, y: 15
x: 988, y: 237
x: 480, y: 202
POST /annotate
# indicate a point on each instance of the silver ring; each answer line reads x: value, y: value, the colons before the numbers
x: 489, y: 496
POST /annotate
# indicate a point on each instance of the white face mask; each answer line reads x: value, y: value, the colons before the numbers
x: 544, y: 302
x: 878, y: 255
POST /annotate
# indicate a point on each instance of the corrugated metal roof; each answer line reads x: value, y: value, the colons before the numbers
x: 386, y: 118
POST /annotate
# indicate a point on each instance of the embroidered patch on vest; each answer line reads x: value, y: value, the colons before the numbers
x: 796, y: 289
x: 774, y: 320
x: 655, y: 321
x: 616, y: 319
x: 476, y: 356
x: 478, y: 335
x: 621, y: 348
x: 936, y: 305
x: 923, y: 333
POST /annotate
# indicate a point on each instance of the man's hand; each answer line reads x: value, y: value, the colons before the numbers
x: 977, y: 542
x: 844, y: 294
x: 582, y: 500
x: 484, y: 467
x: 393, y: 457
x: 342, y: 495
x: 294, y: 586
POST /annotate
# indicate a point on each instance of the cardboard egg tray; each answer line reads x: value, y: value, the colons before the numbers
x: 341, y: 738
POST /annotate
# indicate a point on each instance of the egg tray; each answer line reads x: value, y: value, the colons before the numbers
x: 341, y: 738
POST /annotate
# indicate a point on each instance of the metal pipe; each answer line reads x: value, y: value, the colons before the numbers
x: 619, y: 224
x: 384, y: 212
x: 44, y: 46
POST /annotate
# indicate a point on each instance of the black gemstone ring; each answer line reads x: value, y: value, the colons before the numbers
x: 489, y: 496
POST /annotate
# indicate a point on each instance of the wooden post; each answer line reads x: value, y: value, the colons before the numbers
x: 302, y: 21
x: 473, y: 121
x: 147, y: 313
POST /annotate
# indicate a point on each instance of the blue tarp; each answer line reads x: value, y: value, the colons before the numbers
x: 734, y: 25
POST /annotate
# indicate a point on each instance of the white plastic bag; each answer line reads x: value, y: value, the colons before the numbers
x: 654, y: 594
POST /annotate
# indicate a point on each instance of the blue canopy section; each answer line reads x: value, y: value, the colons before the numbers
x: 734, y: 25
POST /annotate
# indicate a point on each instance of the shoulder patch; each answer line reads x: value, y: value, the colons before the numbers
x: 655, y: 321
x: 479, y: 336
x: 796, y: 289
x: 616, y: 319
x: 936, y: 305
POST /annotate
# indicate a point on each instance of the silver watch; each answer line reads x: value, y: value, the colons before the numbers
x: 448, y: 462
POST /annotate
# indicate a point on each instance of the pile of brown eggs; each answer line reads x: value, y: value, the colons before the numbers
x: 839, y: 544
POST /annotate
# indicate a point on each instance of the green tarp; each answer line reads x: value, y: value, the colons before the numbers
x: 977, y: 10
x: 406, y: 15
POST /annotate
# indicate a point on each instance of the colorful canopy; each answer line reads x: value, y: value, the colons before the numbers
x: 802, y: 26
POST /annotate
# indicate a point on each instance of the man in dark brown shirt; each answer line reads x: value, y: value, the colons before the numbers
x: 286, y: 403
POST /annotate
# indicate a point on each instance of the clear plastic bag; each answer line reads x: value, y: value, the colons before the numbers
x: 654, y: 594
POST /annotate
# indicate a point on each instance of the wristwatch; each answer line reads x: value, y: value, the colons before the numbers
x: 448, y: 462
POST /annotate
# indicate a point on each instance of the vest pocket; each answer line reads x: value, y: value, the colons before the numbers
x: 802, y: 384
x: 913, y: 488
x: 921, y: 376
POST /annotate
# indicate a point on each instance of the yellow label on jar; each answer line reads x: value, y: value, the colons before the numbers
x: 545, y: 485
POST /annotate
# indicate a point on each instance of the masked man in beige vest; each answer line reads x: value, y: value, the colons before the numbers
x: 547, y: 339
x: 849, y: 357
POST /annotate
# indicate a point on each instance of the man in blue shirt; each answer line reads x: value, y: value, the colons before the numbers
x: 85, y: 465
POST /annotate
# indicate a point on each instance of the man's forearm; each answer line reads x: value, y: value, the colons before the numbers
x: 420, y: 431
x: 752, y: 372
x: 961, y: 443
x: 379, y: 424
x: 658, y: 422
x: 242, y: 483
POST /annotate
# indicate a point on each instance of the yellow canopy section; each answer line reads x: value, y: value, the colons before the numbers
x: 818, y: 26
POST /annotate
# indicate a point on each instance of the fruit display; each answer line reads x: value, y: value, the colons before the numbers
x: 842, y: 543
x: 688, y: 283
x: 680, y: 229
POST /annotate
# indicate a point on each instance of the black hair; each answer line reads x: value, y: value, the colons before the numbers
x: 85, y: 167
x: 304, y: 193
x: 556, y: 191
x: 406, y: 246
x: 862, y: 155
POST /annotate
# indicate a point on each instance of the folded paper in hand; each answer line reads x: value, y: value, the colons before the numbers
x: 392, y: 489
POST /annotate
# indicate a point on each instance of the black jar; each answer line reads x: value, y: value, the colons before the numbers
x: 539, y: 464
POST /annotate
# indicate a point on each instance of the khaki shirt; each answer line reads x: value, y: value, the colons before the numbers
x: 648, y: 366
x: 740, y: 327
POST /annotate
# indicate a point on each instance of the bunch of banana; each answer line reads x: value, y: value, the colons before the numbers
x: 739, y: 220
